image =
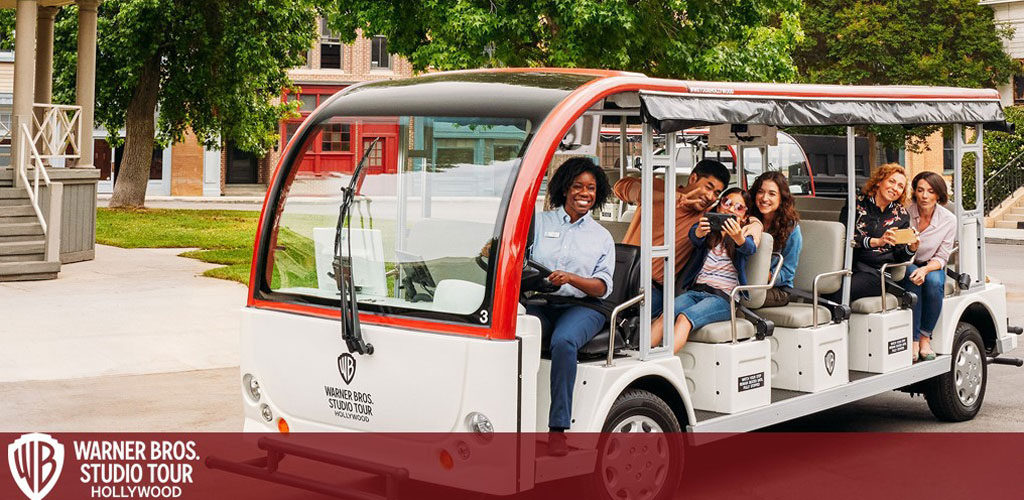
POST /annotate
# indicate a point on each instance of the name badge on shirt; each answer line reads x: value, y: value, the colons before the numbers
x: 552, y: 234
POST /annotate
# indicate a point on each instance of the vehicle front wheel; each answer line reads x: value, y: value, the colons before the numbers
x: 956, y: 396
x: 640, y: 454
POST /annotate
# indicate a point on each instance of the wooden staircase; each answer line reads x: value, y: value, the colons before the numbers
x: 22, y: 240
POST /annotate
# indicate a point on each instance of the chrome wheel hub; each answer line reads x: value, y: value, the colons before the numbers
x: 967, y: 373
x: 636, y: 459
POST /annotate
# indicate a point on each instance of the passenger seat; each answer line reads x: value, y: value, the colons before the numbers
x: 727, y: 377
x: 822, y: 253
x: 625, y: 285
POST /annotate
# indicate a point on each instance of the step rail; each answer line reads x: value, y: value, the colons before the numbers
x: 39, y: 172
x: 1000, y: 186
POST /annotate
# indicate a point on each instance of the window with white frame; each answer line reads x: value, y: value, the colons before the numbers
x: 330, y: 48
x: 379, y: 57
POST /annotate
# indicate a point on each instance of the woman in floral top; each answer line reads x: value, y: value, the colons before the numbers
x: 881, y: 211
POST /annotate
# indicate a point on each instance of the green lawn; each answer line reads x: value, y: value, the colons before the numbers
x: 221, y: 236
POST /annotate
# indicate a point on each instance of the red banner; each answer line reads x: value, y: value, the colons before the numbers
x: 377, y: 466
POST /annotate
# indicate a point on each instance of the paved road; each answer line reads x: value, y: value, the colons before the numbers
x: 1003, y: 409
x: 191, y: 398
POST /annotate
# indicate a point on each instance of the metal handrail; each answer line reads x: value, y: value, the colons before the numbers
x: 33, y: 187
x: 734, y: 298
x: 612, y: 327
x: 1002, y: 183
x: 814, y: 291
x: 889, y: 265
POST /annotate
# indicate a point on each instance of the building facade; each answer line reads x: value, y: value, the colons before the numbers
x: 188, y: 169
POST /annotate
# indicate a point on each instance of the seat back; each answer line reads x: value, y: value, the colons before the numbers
x: 824, y: 243
x: 814, y: 208
x: 626, y: 279
x: 758, y: 268
x: 617, y: 229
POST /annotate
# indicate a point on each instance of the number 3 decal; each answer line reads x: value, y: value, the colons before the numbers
x: 483, y: 316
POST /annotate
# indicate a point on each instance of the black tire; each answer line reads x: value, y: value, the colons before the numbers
x: 655, y: 463
x: 953, y: 402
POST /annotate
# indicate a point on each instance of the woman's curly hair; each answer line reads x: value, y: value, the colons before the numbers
x: 882, y: 173
x: 786, y: 216
x: 558, y: 186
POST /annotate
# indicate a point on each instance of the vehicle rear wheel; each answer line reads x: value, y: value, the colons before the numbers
x: 640, y: 455
x: 957, y: 396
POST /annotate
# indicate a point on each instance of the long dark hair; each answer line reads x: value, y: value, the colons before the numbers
x: 785, y: 218
x: 714, y: 238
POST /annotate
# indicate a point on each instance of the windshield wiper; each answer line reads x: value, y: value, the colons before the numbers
x: 350, y: 331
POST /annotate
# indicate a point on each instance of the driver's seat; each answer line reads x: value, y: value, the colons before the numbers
x: 625, y: 285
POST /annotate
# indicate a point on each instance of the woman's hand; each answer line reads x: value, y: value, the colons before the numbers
x: 889, y: 238
x: 916, y: 243
x: 917, y: 277
x: 560, y: 278
x: 732, y: 229
x: 703, y: 227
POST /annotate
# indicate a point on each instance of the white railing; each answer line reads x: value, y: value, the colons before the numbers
x: 58, y: 130
x: 5, y: 131
x: 28, y: 149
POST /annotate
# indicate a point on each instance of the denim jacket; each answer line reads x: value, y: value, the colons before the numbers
x: 700, y: 253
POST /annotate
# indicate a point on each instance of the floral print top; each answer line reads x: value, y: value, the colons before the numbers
x: 871, y: 222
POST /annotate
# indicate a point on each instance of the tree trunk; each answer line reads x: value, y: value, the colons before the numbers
x: 140, y: 133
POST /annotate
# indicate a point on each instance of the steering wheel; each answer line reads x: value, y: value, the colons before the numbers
x: 535, y: 276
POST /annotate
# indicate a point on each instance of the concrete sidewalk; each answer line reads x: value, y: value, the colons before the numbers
x: 1004, y: 236
x: 196, y: 202
x: 135, y: 311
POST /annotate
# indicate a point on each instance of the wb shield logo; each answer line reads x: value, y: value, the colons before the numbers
x: 347, y: 367
x: 830, y: 362
x: 35, y: 460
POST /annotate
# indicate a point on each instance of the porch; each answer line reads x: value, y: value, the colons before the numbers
x: 47, y: 177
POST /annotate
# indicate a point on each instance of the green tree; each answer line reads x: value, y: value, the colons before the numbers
x: 903, y: 42
x: 166, y: 67
x: 724, y: 40
x: 906, y: 42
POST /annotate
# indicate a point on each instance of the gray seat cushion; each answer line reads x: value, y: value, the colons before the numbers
x: 950, y: 288
x: 721, y: 332
x: 795, y: 315
x: 871, y: 305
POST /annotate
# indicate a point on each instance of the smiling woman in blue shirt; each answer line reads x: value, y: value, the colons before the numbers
x: 774, y: 206
x: 581, y: 254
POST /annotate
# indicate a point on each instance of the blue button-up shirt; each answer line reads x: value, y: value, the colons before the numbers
x: 584, y: 248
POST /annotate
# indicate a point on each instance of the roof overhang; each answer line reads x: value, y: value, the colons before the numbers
x: 783, y: 105
x: 10, y: 4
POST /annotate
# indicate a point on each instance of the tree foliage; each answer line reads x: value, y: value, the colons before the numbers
x: 723, y: 40
x: 906, y: 42
x: 903, y: 42
x: 212, y: 67
x: 221, y: 63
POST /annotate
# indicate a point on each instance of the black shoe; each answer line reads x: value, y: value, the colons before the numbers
x: 557, y: 447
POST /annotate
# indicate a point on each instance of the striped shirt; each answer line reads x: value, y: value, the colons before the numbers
x: 719, y: 271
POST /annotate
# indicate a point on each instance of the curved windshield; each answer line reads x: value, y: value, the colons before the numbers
x: 429, y: 203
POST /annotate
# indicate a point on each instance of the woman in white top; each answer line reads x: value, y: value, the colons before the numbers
x: 936, y: 227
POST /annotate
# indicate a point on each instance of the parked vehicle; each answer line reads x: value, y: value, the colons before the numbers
x: 433, y: 337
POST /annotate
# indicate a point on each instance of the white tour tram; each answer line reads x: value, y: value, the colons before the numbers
x: 434, y: 338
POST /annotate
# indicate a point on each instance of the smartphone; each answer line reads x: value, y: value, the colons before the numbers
x: 717, y: 220
x: 905, y: 236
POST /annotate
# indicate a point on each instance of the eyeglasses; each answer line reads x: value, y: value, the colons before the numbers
x: 739, y: 207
